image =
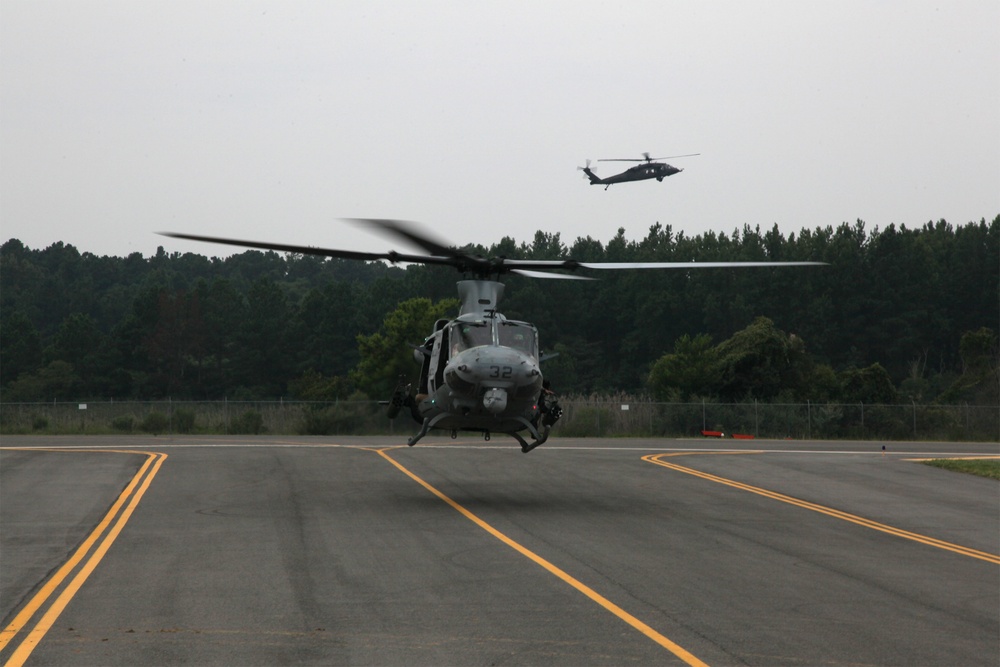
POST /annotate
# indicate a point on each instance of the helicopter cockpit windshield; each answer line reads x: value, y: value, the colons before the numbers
x: 518, y: 336
x: 466, y: 335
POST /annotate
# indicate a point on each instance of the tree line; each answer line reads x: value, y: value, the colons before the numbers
x: 899, y: 314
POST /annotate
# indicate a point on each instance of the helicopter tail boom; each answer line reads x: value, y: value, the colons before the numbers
x: 594, y: 180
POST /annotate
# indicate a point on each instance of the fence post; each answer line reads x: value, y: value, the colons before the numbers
x: 809, y: 422
x: 862, y: 404
x: 914, y: 417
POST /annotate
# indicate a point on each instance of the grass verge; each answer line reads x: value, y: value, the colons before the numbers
x: 982, y: 467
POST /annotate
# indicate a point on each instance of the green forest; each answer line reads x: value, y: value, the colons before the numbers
x: 899, y: 315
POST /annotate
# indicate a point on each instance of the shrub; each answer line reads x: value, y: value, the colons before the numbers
x: 586, y: 421
x: 337, y: 419
x: 123, y: 423
x: 251, y: 422
x: 183, y: 421
x: 155, y: 423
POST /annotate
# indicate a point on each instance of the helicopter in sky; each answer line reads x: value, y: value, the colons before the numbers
x: 640, y: 172
x: 480, y: 371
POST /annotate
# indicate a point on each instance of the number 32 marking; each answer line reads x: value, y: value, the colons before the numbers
x: 501, y: 371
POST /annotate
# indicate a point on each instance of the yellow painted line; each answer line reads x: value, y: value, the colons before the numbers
x: 671, y: 646
x: 829, y: 511
x: 53, y: 583
x: 132, y: 495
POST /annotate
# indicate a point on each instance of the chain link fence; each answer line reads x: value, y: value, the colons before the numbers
x: 821, y: 421
x: 582, y: 417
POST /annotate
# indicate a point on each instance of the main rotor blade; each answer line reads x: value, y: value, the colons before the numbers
x: 690, y: 265
x: 544, y: 274
x: 408, y: 231
x: 671, y: 157
x: 646, y: 159
x: 572, y: 265
x: 483, y: 267
x: 391, y: 256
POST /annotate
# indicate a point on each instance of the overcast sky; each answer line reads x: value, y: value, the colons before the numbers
x: 272, y: 120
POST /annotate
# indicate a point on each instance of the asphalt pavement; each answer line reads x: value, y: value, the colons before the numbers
x: 351, y: 550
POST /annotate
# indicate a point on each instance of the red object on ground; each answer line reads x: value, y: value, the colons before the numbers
x: 713, y: 434
x: 743, y: 436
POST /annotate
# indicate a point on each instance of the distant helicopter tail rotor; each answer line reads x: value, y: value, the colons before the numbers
x: 589, y: 175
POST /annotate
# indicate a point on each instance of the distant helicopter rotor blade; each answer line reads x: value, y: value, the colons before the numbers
x: 646, y: 158
x: 671, y: 157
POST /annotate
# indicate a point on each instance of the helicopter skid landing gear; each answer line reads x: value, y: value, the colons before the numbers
x: 423, y: 431
x: 427, y: 425
x: 539, y: 436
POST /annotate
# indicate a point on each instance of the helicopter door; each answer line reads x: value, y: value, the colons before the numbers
x: 425, y: 366
x: 437, y: 361
x: 430, y: 376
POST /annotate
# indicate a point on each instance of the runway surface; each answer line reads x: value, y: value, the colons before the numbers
x: 351, y: 550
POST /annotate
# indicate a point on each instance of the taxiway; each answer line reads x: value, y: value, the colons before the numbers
x: 350, y: 550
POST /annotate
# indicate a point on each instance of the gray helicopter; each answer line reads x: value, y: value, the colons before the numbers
x: 640, y: 172
x: 481, y: 371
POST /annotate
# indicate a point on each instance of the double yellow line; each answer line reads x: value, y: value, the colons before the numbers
x: 822, y: 509
x: 89, y: 554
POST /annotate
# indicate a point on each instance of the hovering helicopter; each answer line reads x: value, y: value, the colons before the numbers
x: 480, y: 371
x: 640, y: 172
